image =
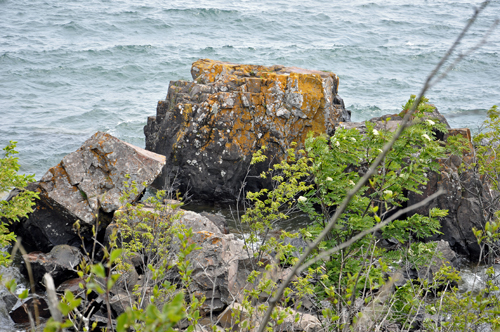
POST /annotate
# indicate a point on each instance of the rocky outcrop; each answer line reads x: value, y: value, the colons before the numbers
x: 86, y: 186
x: 209, y: 128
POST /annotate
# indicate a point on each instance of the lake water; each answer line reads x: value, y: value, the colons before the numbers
x: 71, y: 68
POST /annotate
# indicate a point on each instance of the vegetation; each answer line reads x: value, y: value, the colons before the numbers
x: 316, y: 180
x: 361, y: 285
x: 20, y: 205
x: 352, y: 187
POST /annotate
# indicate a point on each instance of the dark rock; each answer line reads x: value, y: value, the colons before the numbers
x: 86, y: 185
x: 60, y: 263
x: 19, y: 314
x: 101, y: 321
x: 464, y: 208
x: 210, y: 128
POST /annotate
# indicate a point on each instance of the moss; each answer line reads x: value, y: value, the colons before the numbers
x: 84, y: 195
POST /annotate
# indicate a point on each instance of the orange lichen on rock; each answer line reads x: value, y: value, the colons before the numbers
x: 209, y: 128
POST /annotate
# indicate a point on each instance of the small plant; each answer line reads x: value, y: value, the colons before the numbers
x: 18, y: 206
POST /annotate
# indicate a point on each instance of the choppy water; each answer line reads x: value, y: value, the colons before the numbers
x: 70, y: 68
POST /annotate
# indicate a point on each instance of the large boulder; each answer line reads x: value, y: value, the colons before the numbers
x: 86, y: 186
x: 209, y: 127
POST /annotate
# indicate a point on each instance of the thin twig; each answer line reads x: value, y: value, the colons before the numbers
x: 405, y: 123
x: 52, y: 298
x: 19, y: 246
x: 375, y: 228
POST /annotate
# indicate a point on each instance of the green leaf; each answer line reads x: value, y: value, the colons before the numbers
x: 98, y: 270
x: 115, y: 254
x: 24, y: 294
x: 65, y: 308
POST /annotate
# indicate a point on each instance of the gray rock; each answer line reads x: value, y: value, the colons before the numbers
x: 218, y: 220
x: 235, y: 313
x: 120, y: 302
x: 220, y: 267
x: 392, y: 121
x: 444, y: 255
x: 86, y: 185
x: 10, y: 301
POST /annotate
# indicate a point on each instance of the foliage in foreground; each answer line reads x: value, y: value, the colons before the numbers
x: 357, y: 285
x: 20, y: 205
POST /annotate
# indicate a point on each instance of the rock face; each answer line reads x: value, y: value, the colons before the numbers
x: 85, y: 184
x: 209, y: 128
x: 464, y: 207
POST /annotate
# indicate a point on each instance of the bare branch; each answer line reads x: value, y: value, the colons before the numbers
x: 52, y: 297
x: 375, y: 228
x: 405, y: 123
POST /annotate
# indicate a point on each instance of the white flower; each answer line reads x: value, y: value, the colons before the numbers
x: 375, y: 132
x: 388, y: 192
x: 337, y: 143
x: 351, y: 183
x: 353, y: 139
x: 329, y: 179
x: 302, y: 199
x: 432, y: 123
x: 426, y: 137
x: 401, y: 175
x: 380, y: 150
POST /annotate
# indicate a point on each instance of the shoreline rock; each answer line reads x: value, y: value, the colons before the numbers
x: 210, y: 127
x: 86, y: 186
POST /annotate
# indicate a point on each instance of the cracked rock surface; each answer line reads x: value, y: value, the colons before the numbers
x: 210, y: 127
x: 87, y: 184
